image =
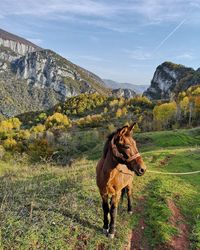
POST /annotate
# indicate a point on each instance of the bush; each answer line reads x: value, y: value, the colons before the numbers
x: 39, y: 149
x: 2, y: 151
x: 9, y: 143
x: 23, y: 134
x: 59, y: 120
x: 39, y: 128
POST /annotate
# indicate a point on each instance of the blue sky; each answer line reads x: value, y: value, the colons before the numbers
x: 120, y: 40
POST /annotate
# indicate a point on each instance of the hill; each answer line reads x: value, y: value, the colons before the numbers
x: 46, y: 204
x: 139, y: 89
x: 32, y: 78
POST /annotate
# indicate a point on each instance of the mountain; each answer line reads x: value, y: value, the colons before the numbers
x: 169, y: 79
x: 17, y: 44
x: 33, y: 78
x: 139, y: 89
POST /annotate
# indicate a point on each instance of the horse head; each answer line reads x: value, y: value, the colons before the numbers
x: 125, y: 151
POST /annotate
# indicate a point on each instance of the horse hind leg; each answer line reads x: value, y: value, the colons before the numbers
x: 105, y: 207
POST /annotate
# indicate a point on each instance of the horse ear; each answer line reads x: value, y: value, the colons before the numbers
x: 131, y: 126
x: 123, y: 131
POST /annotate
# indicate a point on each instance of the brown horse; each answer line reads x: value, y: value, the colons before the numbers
x: 115, y: 171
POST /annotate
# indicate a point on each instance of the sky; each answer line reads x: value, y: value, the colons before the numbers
x: 120, y: 40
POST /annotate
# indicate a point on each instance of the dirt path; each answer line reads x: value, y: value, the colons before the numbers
x: 137, y: 240
x: 181, y: 240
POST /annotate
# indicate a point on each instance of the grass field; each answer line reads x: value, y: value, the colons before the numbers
x: 51, y: 207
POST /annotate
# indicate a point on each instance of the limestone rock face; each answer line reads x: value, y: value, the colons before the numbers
x: 32, y: 78
x: 126, y: 93
x: 18, y: 45
x: 168, y: 79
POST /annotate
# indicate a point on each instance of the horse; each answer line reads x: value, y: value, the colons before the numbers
x: 114, y: 173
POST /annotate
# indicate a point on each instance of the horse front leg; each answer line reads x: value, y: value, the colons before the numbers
x: 105, y: 207
x: 113, y: 214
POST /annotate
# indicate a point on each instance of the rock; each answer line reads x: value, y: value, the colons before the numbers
x: 166, y: 80
x: 36, y: 79
x: 126, y: 93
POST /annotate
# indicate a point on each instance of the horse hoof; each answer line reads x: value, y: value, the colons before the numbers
x: 111, y: 236
x: 105, y: 231
x: 130, y: 212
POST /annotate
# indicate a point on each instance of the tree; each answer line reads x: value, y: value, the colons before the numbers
x: 118, y: 113
x: 164, y: 113
x: 184, y: 105
x: 57, y: 119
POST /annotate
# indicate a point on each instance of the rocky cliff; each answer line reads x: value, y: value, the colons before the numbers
x: 169, y: 79
x: 126, y: 93
x: 32, y: 78
x: 18, y: 45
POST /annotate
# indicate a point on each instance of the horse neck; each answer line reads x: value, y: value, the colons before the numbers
x: 109, y: 163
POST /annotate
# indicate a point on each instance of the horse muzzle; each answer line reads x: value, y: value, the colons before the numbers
x: 138, y: 169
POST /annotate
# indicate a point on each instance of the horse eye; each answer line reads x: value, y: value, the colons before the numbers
x: 126, y: 146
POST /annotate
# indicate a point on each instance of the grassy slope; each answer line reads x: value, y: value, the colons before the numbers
x: 59, y: 208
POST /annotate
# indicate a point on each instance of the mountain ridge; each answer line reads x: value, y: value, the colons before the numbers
x: 5, y: 35
x: 139, y: 89
x: 44, y: 77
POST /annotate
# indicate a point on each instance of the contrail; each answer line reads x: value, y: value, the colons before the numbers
x: 169, y: 35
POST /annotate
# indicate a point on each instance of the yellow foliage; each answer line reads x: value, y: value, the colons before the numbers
x: 197, y: 104
x: 24, y: 134
x: 38, y: 128
x: 10, y: 124
x: 165, y: 111
x: 196, y: 91
x: 124, y: 111
x: 184, y: 103
x: 89, y: 119
x: 113, y: 103
x: 15, y: 123
x: 119, y: 113
x: 57, y: 119
x: 9, y: 143
x: 2, y: 151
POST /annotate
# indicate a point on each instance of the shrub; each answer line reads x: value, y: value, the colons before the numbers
x: 58, y: 120
x: 39, y: 128
x: 2, y: 151
x: 39, y: 149
x: 9, y: 143
x: 41, y: 118
x: 23, y: 134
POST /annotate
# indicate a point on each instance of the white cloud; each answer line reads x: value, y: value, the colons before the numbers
x: 125, y: 16
x: 41, y: 7
x: 153, y: 11
x: 186, y: 56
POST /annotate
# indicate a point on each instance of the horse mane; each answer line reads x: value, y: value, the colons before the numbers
x: 109, y: 138
x: 106, y: 145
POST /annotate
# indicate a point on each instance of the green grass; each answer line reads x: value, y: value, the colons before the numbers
x: 51, y: 207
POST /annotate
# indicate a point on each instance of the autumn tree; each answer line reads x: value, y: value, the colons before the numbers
x: 57, y: 120
x: 164, y: 113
